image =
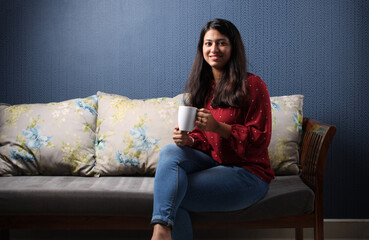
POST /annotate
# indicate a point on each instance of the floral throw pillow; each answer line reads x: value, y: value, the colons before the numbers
x: 131, y: 132
x: 48, y: 139
x: 286, y: 134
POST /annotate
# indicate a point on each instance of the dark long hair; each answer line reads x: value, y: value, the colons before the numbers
x: 231, y: 89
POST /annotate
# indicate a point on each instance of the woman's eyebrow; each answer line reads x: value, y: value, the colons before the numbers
x: 219, y: 39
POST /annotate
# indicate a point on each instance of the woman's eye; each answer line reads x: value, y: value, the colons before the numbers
x: 207, y: 44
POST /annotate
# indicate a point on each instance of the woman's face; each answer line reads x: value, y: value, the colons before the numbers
x: 217, y: 49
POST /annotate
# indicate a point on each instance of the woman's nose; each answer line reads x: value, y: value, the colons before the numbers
x: 214, y: 48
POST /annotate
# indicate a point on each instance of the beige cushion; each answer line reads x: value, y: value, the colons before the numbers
x: 131, y: 133
x: 286, y: 134
x: 48, y: 139
x: 60, y: 138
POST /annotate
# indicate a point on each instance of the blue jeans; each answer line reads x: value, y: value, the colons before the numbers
x: 188, y: 180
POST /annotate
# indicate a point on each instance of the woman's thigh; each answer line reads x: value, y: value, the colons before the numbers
x: 189, y: 159
x: 223, y: 188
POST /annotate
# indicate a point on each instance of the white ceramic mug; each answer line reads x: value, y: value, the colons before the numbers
x: 186, y: 118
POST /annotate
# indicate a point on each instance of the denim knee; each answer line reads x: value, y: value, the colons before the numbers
x: 168, y: 154
x: 169, y: 149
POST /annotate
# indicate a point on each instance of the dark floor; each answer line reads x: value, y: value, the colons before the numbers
x: 333, y: 229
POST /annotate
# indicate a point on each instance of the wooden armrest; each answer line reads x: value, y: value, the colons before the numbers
x: 317, y: 137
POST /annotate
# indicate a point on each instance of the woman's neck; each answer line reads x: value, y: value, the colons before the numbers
x: 217, y: 74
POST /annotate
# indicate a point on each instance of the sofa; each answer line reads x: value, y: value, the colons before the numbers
x: 89, y: 163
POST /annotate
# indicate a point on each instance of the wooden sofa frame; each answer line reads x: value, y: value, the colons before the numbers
x: 317, y: 138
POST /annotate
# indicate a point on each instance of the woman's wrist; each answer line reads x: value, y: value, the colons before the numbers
x: 190, y: 141
x: 223, y: 129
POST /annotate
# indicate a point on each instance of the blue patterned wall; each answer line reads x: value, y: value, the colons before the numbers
x: 53, y: 50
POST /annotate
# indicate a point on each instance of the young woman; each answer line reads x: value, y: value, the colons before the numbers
x: 223, y: 164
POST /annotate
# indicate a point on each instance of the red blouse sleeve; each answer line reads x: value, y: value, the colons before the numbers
x: 254, y: 135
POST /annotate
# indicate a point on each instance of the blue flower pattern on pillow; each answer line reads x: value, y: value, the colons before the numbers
x: 139, y: 141
x: 19, y: 156
x: 297, y: 118
x: 100, y: 144
x: 286, y: 131
x: 37, y: 136
x: 276, y: 106
x: 126, y: 160
x: 34, y: 140
x: 142, y: 142
x: 86, y: 106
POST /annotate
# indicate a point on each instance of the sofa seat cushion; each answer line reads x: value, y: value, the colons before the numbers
x: 132, y: 196
x: 73, y: 195
x: 287, y: 196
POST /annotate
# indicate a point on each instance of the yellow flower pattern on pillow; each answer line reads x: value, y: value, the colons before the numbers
x: 286, y: 134
x: 48, y: 139
x: 131, y: 132
x: 108, y: 134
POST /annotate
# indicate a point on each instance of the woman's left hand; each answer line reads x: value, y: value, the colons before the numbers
x: 205, y: 120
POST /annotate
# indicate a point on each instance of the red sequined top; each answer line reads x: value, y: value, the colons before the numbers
x: 251, y: 130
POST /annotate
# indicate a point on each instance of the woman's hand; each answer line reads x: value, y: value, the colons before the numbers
x: 181, y: 138
x: 206, y: 122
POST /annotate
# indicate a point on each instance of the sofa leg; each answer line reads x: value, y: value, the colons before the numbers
x: 319, y: 231
x: 4, y: 234
x: 299, y: 233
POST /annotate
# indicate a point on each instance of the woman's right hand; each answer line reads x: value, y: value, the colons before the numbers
x: 181, y: 138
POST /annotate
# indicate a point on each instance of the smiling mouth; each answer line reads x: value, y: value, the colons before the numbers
x: 215, y: 57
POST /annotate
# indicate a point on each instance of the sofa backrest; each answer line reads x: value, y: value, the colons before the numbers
x: 109, y: 134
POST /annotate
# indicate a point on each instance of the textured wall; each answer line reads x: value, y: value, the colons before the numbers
x: 53, y: 50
